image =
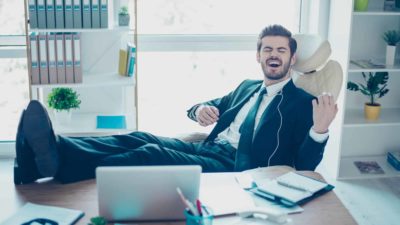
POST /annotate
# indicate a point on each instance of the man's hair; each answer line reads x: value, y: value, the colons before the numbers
x: 277, y: 30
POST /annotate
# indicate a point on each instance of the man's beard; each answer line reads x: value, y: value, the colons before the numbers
x: 277, y: 76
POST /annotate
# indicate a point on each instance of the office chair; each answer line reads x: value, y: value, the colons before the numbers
x: 314, y: 71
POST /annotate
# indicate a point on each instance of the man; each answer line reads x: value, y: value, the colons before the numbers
x: 261, y: 123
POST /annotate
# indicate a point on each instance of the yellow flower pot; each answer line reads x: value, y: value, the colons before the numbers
x: 371, y: 112
x: 360, y: 5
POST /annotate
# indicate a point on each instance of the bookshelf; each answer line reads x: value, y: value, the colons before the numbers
x: 360, y: 38
x: 103, y: 91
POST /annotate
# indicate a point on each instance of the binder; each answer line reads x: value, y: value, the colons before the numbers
x: 77, y: 11
x: 33, y: 19
x: 103, y: 13
x: 131, y: 60
x: 44, y: 69
x: 69, y: 18
x: 292, y: 189
x: 59, y: 5
x: 41, y: 14
x: 76, y: 37
x: 51, y: 52
x: 86, y: 14
x: 95, y: 14
x: 60, y: 53
x: 50, y: 14
x: 69, y: 65
x: 35, y: 77
x: 123, y: 61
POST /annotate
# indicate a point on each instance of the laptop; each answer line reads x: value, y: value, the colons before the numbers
x: 145, y: 193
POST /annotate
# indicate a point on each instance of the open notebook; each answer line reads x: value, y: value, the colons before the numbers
x: 292, y: 189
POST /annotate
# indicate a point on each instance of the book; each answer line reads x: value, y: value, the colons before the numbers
x: 292, y: 189
x: 30, y: 211
x: 369, y: 167
x: 111, y: 122
x: 367, y: 64
x: 393, y: 159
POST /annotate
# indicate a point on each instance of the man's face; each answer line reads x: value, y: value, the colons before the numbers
x: 274, y: 57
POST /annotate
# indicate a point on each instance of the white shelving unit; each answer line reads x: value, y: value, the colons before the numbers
x: 102, y: 91
x: 360, y: 139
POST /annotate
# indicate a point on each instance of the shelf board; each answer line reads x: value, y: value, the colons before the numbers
x: 86, y: 30
x: 388, y: 117
x: 84, y: 124
x: 96, y: 80
x: 377, y: 13
x: 349, y: 171
x: 356, y: 69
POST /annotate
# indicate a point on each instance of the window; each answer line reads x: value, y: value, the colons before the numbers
x: 14, y: 91
x: 194, y: 51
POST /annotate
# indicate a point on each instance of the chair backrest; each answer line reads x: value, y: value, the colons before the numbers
x: 315, y: 73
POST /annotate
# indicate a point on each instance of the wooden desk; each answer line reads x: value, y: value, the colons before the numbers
x: 326, y: 209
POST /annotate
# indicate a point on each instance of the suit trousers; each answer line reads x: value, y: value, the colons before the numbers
x: 79, y: 156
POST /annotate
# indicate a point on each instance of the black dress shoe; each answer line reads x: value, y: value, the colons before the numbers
x: 40, y: 136
x: 25, y: 170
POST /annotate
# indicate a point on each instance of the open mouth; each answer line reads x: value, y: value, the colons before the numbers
x: 274, y: 63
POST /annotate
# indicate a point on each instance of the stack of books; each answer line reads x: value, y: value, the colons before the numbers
x: 127, y: 60
x: 393, y: 159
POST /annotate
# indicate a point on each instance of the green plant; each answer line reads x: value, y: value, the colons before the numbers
x: 123, y: 10
x: 63, y: 99
x: 391, y: 37
x: 98, y: 220
x: 375, y: 86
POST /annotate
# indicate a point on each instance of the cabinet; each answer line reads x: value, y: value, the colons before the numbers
x: 102, y: 91
x: 360, y: 38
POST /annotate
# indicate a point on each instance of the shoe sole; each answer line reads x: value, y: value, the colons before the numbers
x: 39, y: 135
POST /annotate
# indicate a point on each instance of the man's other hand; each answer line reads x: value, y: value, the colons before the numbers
x: 324, y: 111
x: 207, y: 115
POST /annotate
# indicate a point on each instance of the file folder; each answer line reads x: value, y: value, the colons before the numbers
x: 68, y: 16
x: 60, y: 14
x: 51, y: 51
x: 69, y: 64
x: 77, y: 13
x: 86, y: 14
x: 95, y: 14
x: 33, y: 20
x: 35, y: 77
x: 50, y: 14
x: 60, y: 58
x: 76, y: 37
x: 103, y: 13
x: 41, y: 14
x: 44, y: 69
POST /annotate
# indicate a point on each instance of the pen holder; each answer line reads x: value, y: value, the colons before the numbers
x: 205, y: 219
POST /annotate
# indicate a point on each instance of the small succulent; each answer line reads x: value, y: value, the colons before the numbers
x: 123, y: 10
x: 98, y: 220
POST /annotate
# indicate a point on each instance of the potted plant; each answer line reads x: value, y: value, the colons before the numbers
x: 123, y: 16
x: 360, y: 5
x: 375, y: 87
x: 62, y: 100
x: 391, y: 37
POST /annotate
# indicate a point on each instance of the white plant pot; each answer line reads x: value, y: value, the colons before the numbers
x: 390, y: 54
x: 63, y: 117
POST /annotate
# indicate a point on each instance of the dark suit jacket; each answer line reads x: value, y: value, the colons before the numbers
x: 296, y: 148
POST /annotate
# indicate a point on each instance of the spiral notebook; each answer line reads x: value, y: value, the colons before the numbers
x: 292, y: 189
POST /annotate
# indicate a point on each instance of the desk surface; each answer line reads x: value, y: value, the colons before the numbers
x: 326, y: 209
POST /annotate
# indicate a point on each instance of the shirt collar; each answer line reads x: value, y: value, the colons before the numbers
x: 275, y: 88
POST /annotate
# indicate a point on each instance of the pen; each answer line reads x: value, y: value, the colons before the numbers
x: 292, y: 186
x: 187, y: 203
x: 198, y: 204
